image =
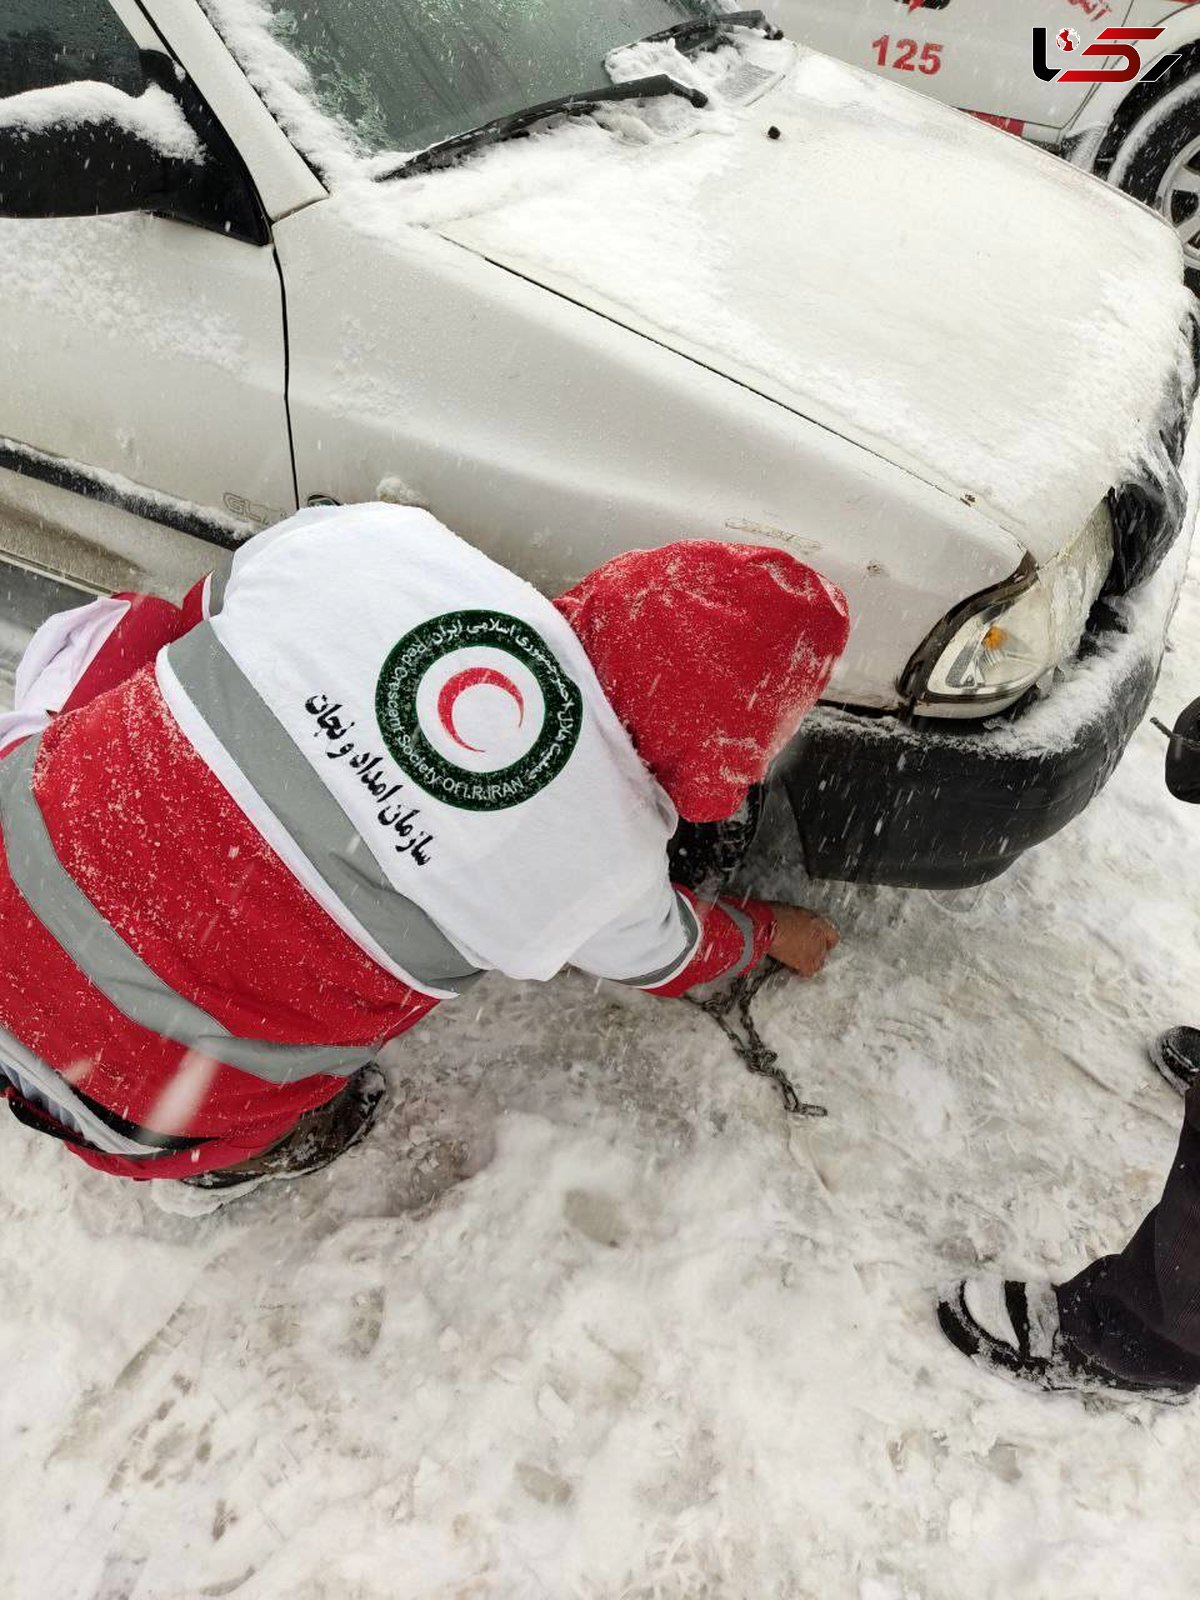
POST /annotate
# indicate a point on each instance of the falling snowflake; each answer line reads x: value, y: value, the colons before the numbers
x: 1068, y: 39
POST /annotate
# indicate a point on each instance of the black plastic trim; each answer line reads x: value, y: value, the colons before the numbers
x: 76, y: 479
x: 946, y: 807
x: 221, y: 195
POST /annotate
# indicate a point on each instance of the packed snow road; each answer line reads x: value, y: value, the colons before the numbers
x: 588, y: 1317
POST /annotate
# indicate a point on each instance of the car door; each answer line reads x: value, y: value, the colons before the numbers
x: 143, y: 404
x: 975, y: 54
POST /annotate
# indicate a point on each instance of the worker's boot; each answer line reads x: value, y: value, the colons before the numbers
x: 1176, y: 1054
x: 1014, y: 1330
x: 318, y: 1139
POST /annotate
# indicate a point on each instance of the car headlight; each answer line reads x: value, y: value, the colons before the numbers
x: 984, y: 656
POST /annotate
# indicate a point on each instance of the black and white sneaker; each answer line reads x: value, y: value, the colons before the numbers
x: 1013, y: 1329
x: 1176, y: 1054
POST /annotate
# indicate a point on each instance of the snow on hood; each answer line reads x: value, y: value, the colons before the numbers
x: 711, y: 655
x: 954, y: 300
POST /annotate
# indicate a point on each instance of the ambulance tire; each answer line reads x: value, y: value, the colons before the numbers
x: 1159, y: 163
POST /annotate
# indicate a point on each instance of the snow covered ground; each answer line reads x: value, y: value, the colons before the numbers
x: 588, y: 1319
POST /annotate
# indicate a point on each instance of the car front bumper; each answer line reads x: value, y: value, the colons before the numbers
x: 940, y: 806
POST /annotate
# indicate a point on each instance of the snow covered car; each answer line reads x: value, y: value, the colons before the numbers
x: 588, y: 275
x: 1140, y: 128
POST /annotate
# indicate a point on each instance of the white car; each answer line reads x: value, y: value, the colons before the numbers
x: 730, y: 290
x: 1142, y: 134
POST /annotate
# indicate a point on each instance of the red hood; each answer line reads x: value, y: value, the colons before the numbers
x: 710, y: 654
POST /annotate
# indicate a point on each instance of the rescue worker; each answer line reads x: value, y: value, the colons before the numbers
x: 1128, y: 1325
x: 249, y: 840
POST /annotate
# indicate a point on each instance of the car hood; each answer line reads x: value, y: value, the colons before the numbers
x: 975, y: 311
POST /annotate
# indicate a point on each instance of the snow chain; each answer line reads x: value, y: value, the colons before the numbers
x: 752, y: 1049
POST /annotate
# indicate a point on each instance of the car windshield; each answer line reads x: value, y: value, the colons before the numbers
x: 403, y: 74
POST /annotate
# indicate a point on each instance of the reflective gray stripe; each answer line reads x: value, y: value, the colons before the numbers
x: 745, y: 927
x: 271, y: 761
x: 691, y: 929
x: 117, y: 971
x: 38, y: 1082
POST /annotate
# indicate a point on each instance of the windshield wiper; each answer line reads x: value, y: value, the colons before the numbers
x: 516, y: 123
x: 708, y: 27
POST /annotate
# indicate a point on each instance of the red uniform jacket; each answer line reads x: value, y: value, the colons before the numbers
x: 143, y: 827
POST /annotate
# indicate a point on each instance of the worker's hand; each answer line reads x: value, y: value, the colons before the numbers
x: 803, y: 940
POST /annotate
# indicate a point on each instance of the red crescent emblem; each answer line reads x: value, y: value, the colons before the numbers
x: 471, y: 679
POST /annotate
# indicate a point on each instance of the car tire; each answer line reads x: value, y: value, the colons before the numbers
x: 1159, y: 162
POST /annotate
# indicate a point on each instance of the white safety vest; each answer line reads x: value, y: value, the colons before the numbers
x: 421, y: 737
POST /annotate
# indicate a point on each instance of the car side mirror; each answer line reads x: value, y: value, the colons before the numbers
x: 85, y: 149
x: 1183, y: 756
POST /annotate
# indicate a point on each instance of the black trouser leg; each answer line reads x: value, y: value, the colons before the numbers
x: 1138, y: 1314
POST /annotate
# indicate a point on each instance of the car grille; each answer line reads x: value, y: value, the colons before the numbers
x: 1148, y: 512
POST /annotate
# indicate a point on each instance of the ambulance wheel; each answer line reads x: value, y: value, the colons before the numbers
x: 1159, y: 163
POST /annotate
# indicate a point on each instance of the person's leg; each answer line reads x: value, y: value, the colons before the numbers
x: 1128, y: 1324
x: 1137, y: 1314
